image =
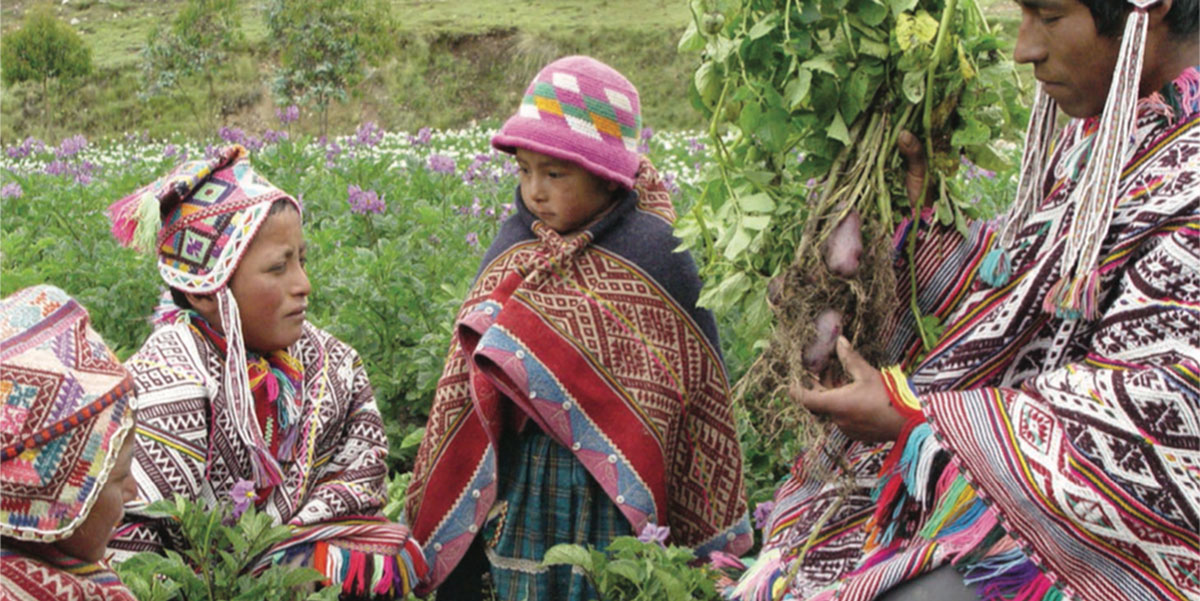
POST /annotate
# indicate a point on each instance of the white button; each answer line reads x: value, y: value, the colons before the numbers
x: 612, y: 458
x: 567, y: 405
x: 489, y: 310
x: 576, y: 446
x: 533, y: 394
x: 472, y: 528
x: 520, y: 354
x: 730, y: 536
x: 620, y: 499
x: 437, y: 546
x: 475, y: 494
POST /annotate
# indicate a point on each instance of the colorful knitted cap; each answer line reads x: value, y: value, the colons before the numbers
x: 581, y: 110
x: 67, y: 406
x: 200, y: 218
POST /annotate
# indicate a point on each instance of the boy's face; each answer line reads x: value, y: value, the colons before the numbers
x: 90, y: 539
x: 565, y: 196
x: 270, y: 286
x: 1072, y: 60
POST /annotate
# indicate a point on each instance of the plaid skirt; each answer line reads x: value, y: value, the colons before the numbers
x: 546, y: 497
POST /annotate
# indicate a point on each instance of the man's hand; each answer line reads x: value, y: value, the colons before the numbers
x: 862, y: 408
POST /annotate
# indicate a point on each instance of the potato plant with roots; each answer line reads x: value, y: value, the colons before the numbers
x: 806, y: 100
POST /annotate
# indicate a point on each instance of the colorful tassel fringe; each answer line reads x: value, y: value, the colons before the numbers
x: 361, y: 574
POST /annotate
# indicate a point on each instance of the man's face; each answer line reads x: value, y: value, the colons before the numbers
x: 1073, y: 62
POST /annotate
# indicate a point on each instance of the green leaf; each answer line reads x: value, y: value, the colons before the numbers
x: 756, y: 222
x: 627, y: 569
x: 756, y: 203
x: 872, y: 12
x: 741, y: 239
x: 915, y: 30
x: 796, y: 91
x: 870, y: 47
x: 970, y: 133
x: 567, y: 554
x: 820, y: 63
x: 691, y: 41
x: 837, y: 130
x: 764, y: 26
x: 901, y: 6
x: 914, y: 86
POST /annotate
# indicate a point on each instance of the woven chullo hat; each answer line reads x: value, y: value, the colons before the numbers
x: 65, y: 410
x: 200, y: 219
x: 581, y: 110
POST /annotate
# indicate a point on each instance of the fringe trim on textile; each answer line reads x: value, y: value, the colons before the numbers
x: 765, y: 580
x: 364, y: 574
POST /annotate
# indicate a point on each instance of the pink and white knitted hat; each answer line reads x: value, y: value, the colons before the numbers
x: 581, y: 110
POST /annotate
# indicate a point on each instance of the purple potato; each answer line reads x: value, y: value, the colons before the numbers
x: 844, y: 246
x: 829, y: 327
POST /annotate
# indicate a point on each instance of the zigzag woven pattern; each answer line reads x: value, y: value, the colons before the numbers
x: 588, y: 107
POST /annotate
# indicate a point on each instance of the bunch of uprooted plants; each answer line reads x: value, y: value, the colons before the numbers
x: 837, y: 81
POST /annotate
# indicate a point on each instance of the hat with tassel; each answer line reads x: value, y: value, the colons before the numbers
x: 1076, y: 294
x: 199, y: 219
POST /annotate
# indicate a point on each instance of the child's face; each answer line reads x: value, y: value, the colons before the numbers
x: 90, y: 539
x: 564, y: 195
x: 270, y: 286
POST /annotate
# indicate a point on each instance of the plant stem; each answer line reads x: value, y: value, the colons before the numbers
x: 939, y: 46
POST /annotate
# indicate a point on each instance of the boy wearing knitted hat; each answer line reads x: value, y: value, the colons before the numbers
x: 66, y: 414
x: 585, y: 395
x: 242, y: 394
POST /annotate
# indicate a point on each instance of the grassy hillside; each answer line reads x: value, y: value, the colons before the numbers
x: 451, y: 62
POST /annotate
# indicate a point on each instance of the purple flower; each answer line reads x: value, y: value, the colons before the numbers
x: 762, y: 512
x: 476, y: 207
x: 242, y: 494
x: 11, y: 190
x: 289, y: 115
x: 30, y: 146
x: 652, y: 533
x: 71, y: 146
x: 695, y: 146
x: 211, y: 152
x: 368, y: 135
x: 232, y: 135
x: 272, y: 136
x: 422, y: 138
x: 647, y: 133
x: 252, y: 143
x: 332, y: 153
x: 440, y: 163
x: 506, y: 210
x: 669, y: 183
x: 364, y: 201
x: 169, y: 150
x: 473, y: 240
x: 55, y: 167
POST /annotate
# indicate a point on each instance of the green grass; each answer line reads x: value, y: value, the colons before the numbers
x: 454, y: 63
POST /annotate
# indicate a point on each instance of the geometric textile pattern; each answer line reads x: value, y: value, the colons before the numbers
x: 211, y: 210
x: 65, y: 408
x: 603, y: 358
x: 52, y: 576
x: 1083, y: 438
x: 339, y: 469
x: 594, y: 113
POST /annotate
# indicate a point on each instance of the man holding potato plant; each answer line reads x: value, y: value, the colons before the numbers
x: 1048, y: 445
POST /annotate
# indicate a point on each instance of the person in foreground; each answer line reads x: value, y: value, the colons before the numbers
x: 66, y: 414
x: 1048, y: 446
x: 584, y: 396
x: 241, y: 395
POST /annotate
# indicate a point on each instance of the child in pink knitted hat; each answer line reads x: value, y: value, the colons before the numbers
x: 585, y: 396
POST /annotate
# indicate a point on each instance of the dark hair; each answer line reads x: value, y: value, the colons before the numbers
x: 278, y: 206
x: 1109, y: 15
